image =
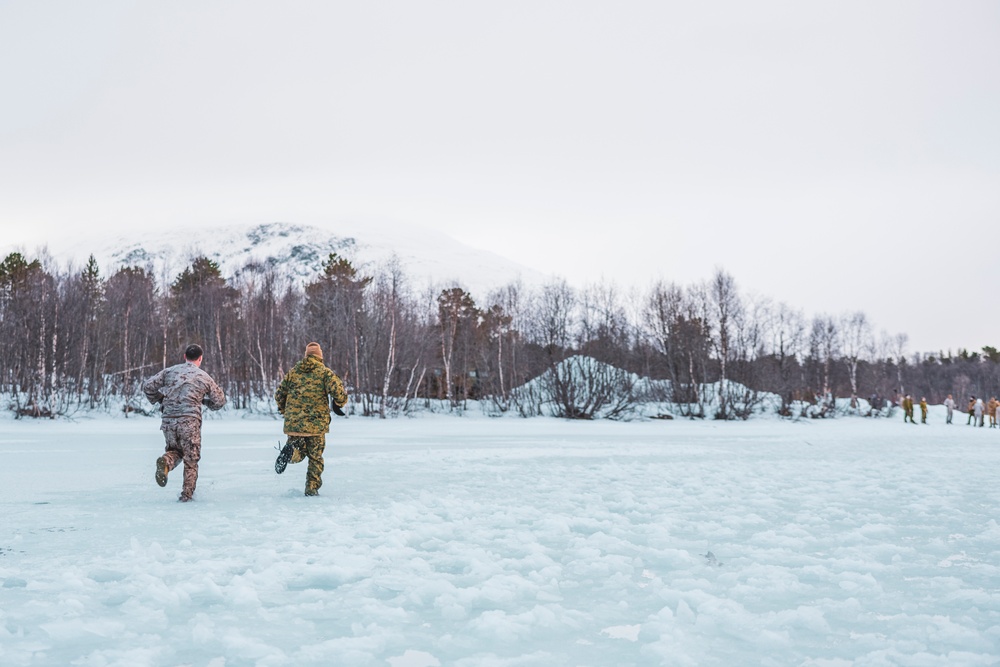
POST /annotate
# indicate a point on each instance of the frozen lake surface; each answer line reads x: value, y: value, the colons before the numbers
x: 474, y: 541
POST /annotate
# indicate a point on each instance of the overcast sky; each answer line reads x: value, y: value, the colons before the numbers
x: 836, y: 156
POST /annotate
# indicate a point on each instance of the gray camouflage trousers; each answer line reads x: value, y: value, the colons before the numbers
x: 183, y: 437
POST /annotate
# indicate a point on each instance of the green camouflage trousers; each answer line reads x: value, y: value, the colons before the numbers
x: 310, y: 447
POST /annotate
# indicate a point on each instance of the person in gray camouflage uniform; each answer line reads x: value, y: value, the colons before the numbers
x: 180, y: 391
x: 305, y: 397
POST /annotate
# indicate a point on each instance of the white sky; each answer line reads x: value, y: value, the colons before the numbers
x: 832, y: 155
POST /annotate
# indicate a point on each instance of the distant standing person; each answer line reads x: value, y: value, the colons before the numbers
x: 923, y: 410
x: 991, y: 411
x: 979, y: 411
x: 180, y: 391
x: 972, y: 410
x: 908, y: 409
x: 949, y: 404
x: 305, y: 397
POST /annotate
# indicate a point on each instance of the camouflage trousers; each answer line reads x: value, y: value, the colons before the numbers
x: 183, y: 437
x: 309, y: 447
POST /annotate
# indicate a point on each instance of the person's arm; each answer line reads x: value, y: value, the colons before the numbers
x: 335, y: 390
x: 281, y: 394
x: 215, y: 398
x: 151, y: 388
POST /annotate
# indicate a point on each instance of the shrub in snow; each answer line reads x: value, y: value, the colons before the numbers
x: 583, y: 388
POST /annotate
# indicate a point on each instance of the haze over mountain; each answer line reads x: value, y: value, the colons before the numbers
x: 427, y: 257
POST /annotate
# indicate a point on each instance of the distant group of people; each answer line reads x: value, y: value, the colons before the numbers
x: 977, y: 410
x: 305, y: 397
x: 908, y: 410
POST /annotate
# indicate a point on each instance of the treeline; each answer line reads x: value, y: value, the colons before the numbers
x: 79, y: 339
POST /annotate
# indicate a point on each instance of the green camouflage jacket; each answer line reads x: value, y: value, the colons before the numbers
x: 304, y: 397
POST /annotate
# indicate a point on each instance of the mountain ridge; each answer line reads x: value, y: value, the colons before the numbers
x: 427, y: 258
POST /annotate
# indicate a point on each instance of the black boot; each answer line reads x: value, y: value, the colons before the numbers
x: 283, y: 458
x: 161, y: 471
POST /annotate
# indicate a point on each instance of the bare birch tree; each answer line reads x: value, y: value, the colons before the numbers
x: 824, y: 343
x: 787, y: 329
x: 857, y: 343
x: 725, y: 305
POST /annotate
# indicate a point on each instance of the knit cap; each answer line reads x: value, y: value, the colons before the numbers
x: 313, y: 349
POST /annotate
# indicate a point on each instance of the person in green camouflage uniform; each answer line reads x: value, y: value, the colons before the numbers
x: 908, y: 410
x: 305, y: 397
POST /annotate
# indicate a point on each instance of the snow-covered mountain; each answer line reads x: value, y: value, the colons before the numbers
x: 427, y: 257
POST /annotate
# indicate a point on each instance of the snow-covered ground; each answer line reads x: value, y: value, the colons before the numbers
x: 475, y: 541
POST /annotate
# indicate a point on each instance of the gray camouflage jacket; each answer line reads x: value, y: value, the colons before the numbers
x: 182, y: 389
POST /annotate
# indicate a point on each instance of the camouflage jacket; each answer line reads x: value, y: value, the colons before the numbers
x: 304, y: 397
x: 182, y: 389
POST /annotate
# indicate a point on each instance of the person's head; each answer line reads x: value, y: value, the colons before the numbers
x: 193, y: 353
x: 314, y: 350
x: 949, y: 395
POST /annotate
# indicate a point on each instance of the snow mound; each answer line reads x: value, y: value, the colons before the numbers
x: 581, y: 387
